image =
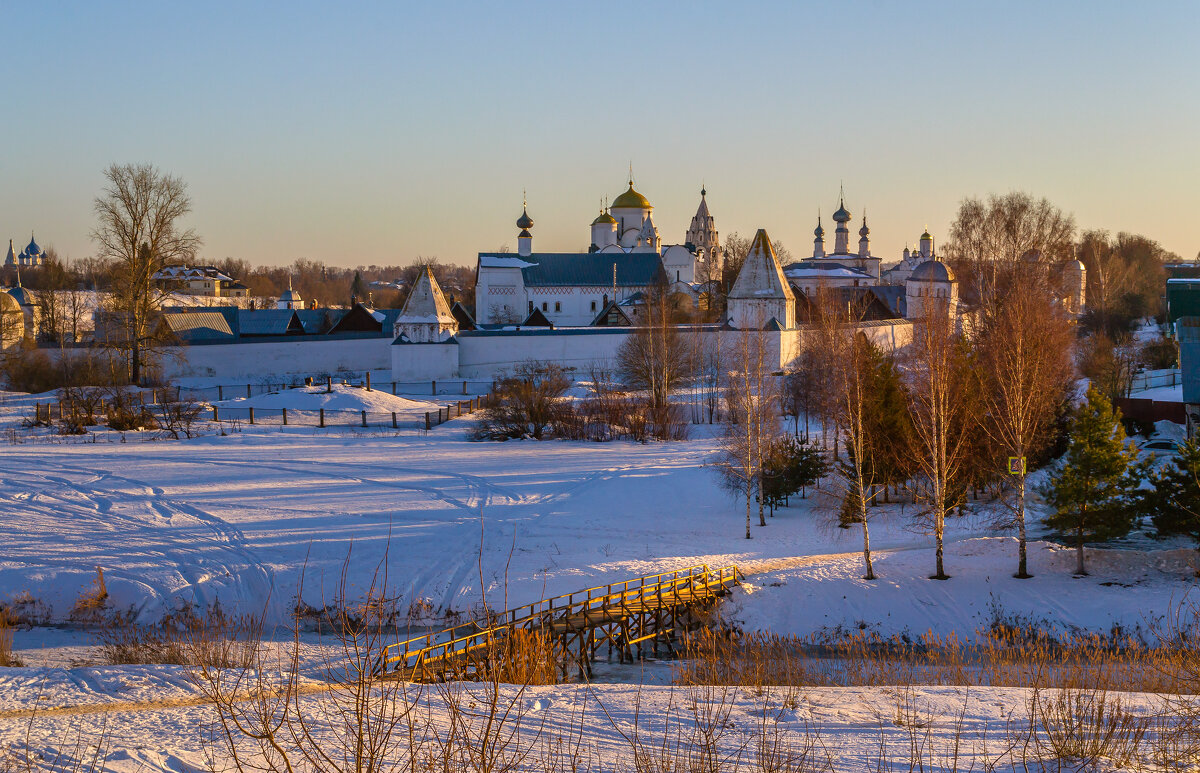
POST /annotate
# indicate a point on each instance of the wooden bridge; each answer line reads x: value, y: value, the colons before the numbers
x: 570, y: 629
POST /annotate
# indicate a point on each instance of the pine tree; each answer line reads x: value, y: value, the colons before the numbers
x: 1174, y: 503
x: 1092, y: 491
x: 789, y: 467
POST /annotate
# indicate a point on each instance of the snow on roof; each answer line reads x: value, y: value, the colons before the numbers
x: 761, y: 275
x: 586, y: 269
x: 426, y: 303
x: 800, y: 271
x: 502, y: 261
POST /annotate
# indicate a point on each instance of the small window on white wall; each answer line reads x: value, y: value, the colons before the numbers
x: 557, y: 306
x: 545, y: 306
x: 593, y: 305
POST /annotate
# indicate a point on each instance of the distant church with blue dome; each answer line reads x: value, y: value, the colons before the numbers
x: 32, y: 256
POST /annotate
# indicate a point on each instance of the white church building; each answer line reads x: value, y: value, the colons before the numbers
x: 626, y: 257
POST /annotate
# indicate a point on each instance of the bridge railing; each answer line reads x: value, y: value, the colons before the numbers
x: 461, y: 639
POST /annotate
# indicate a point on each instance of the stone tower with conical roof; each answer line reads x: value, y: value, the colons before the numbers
x: 702, y: 236
x: 761, y: 292
x: 426, y: 317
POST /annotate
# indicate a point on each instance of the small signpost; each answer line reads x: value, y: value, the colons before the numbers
x: 1016, y: 465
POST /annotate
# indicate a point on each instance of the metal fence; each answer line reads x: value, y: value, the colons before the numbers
x: 1152, y: 379
x: 433, y: 387
x: 330, y: 417
x: 61, y: 410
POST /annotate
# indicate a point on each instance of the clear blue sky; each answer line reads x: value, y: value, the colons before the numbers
x: 374, y: 133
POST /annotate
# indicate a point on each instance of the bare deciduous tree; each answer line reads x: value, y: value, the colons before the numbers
x: 657, y: 357
x: 752, y: 420
x: 845, y: 357
x: 139, y: 233
x: 942, y: 411
x: 990, y: 236
x: 1025, y: 358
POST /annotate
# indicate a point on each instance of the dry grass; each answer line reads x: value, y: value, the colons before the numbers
x: 187, y: 637
x: 7, y: 658
x: 92, y: 601
x: 996, y: 658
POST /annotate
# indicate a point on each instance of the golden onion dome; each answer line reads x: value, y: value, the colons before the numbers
x: 631, y: 199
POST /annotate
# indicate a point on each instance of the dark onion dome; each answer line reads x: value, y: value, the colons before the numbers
x: 21, y: 295
x: 33, y: 249
x: 524, y: 222
x: 864, y: 231
x: 842, y: 215
x: 604, y: 219
x: 819, y: 231
x: 631, y: 199
x: 932, y: 271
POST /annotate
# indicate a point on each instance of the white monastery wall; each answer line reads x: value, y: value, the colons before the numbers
x: 487, y: 356
x: 422, y: 362
x: 254, y: 360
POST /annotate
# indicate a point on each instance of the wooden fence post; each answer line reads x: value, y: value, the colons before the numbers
x: 464, y: 386
x: 426, y: 421
x: 215, y: 414
x: 251, y: 415
x: 364, y: 417
x: 433, y: 390
x: 393, y: 387
x: 394, y: 425
x: 247, y: 390
x: 368, y: 381
x: 321, y: 420
x: 285, y: 417
x: 220, y: 392
x: 328, y: 384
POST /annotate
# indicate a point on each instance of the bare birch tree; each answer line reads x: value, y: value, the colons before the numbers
x: 752, y: 420
x: 845, y: 358
x: 1025, y: 359
x: 139, y: 233
x: 939, y: 391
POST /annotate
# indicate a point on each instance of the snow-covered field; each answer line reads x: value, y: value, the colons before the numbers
x: 239, y: 519
x: 243, y: 519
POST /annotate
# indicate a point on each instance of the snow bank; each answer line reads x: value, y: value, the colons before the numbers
x: 342, y: 398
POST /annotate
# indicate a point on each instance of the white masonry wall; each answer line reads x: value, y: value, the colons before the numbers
x: 255, y: 360
x: 487, y: 355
